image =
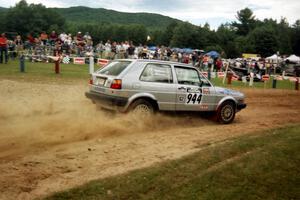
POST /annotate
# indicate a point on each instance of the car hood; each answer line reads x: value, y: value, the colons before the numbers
x: 225, y: 91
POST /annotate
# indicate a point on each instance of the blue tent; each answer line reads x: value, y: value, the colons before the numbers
x: 177, y: 50
x: 187, y: 50
x: 213, y: 54
x: 152, y: 48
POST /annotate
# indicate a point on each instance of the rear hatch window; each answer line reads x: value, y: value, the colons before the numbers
x: 114, y: 68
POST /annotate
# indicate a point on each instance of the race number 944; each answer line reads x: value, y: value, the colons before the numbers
x: 193, y: 98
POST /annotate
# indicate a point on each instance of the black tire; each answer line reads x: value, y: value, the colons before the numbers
x: 226, y: 112
x: 142, y: 106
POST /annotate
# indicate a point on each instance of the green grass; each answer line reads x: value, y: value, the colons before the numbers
x: 42, y: 71
x: 284, y: 84
x: 262, y: 165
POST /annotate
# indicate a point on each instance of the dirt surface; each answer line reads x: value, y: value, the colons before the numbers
x: 52, y: 138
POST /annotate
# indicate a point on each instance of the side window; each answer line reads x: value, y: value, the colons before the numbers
x: 157, y: 73
x: 187, y: 76
x: 204, y: 81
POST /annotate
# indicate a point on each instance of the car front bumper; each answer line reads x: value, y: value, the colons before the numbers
x: 107, y: 101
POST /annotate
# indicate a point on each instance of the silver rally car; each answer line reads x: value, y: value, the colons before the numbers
x: 147, y: 86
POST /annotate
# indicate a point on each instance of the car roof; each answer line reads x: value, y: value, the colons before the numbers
x: 156, y: 61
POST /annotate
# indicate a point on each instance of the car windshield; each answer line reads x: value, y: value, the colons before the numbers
x: 114, y: 68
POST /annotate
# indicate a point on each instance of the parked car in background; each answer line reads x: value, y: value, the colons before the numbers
x: 148, y: 86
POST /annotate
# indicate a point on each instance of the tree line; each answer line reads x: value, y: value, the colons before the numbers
x: 245, y: 35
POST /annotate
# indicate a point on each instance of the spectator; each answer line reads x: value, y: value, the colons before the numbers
x: 100, y: 48
x: 12, y: 49
x: 179, y: 57
x: 30, y: 41
x: 80, y: 43
x: 52, y: 38
x: 130, y: 51
x: 139, y: 50
x: 19, y: 44
x: 44, y: 38
x: 58, y: 48
x: 38, y: 51
x: 122, y: 51
x: 66, y: 45
x: 126, y: 46
x: 63, y: 36
x: 144, y: 52
x: 113, y: 50
x: 107, y: 49
x: 3, y: 48
x: 87, y: 36
x: 219, y: 64
x: 186, y: 58
x: 194, y: 58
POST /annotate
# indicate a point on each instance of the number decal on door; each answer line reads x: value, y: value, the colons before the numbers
x: 193, y: 98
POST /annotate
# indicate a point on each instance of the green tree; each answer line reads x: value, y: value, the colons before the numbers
x: 185, y: 35
x: 226, y: 36
x: 284, y: 37
x: 264, y: 41
x: 246, y: 21
x: 25, y: 18
x: 296, y: 37
x: 168, y: 34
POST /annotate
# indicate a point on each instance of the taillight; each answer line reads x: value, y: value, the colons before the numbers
x: 116, y: 84
x: 91, y: 81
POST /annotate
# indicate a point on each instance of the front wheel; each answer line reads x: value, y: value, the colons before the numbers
x: 226, y: 113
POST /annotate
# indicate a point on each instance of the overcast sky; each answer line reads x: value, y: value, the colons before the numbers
x: 197, y: 12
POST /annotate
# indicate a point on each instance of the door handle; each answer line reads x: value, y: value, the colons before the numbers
x: 182, y: 88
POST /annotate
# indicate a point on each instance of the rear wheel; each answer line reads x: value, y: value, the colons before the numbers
x: 142, y: 107
x: 226, y: 112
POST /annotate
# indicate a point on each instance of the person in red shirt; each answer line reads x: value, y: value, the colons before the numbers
x: 3, y: 48
x: 219, y: 65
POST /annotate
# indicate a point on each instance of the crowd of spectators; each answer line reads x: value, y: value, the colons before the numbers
x: 40, y: 47
x: 82, y: 45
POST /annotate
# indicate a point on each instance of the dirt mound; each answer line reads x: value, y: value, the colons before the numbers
x: 53, y: 138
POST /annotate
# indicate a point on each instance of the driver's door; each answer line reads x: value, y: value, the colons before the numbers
x: 189, y: 91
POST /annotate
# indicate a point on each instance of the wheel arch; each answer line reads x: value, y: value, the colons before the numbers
x: 145, y: 96
x: 226, y: 99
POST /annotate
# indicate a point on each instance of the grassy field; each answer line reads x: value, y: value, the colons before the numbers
x: 262, y: 165
x: 42, y: 71
x: 284, y: 84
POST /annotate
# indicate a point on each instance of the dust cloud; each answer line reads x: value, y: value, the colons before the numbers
x: 38, y: 115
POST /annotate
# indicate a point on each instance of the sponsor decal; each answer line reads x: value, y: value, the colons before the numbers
x: 102, y: 62
x: 79, y: 61
x: 205, y: 74
x: 292, y: 79
x: 265, y: 77
x: 205, y: 91
x: 193, y: 98
x: 221, y: 74
x: 204, y: 107
x: 181, y: 99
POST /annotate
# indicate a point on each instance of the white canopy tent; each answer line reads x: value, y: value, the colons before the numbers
x: 293, y: 58
x: 274, y: 58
